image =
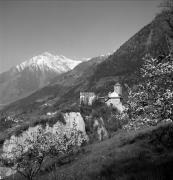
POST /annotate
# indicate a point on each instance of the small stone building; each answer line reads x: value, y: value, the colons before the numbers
x: 87, y: 98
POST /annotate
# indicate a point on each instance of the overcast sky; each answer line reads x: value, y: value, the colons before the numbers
x: 75, y: 29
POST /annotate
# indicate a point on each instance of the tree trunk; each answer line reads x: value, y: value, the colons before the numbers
x: 29, y: 177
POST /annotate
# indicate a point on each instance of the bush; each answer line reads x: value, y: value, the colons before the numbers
x: 50, y: 121
x: 113, y: 124
x: 5, y: 123
x: 20, y: 129
x: 85, y: 110
x: 74, y: 108
x: 1, y: 142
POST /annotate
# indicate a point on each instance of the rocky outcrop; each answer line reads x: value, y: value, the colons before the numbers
x: 71, y: 119
x: 96, y: 128
x: 75, y: 117
x: 100, y: 129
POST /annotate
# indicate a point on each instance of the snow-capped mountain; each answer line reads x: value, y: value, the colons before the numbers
x: 32, y: 74
x: 47, y: 61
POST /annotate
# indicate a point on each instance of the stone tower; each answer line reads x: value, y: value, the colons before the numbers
x: 114, y: 98
x: 118, y: 89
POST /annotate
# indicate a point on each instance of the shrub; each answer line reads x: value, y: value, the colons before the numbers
x: 85, y: 110
x: 20, y: 129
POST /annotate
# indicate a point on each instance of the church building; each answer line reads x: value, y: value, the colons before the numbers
x: 115, y: 97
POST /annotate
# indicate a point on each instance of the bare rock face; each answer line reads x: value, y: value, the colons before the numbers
x: 72, y: 118
x: 100, y: 129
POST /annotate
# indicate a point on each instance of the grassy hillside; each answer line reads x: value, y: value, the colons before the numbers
x: 140, y: 155
x: 123, y: 65
x: 129, y: 56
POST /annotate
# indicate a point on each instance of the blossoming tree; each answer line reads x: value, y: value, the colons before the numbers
x: 27, y: 157
x: 151, y: 101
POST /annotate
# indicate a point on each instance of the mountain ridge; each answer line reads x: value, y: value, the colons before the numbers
x: 59, y: 86
x: 30, y: 75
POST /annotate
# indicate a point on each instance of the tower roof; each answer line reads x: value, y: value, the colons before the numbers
x: 117, y: 84
x: 113, y: 95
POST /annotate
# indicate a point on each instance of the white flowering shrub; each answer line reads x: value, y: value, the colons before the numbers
x: 28, y: 156
x: 151, y: 101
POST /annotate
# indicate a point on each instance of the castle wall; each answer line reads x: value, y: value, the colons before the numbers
x: 115, y: 102
x: 87, y: 98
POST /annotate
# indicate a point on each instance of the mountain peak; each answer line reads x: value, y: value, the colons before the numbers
x: 49, y: 61
x: 32, y: 74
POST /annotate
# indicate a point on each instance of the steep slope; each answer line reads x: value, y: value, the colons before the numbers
x: 129, y: 57
x: 31, y: 75
x: 120, y: 66
x: 123, y: 64
x: 125, y: 156
x: 80, y: 73
x: 140, y: 155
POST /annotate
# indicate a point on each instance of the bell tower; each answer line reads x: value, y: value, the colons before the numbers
x: 118, y: 89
